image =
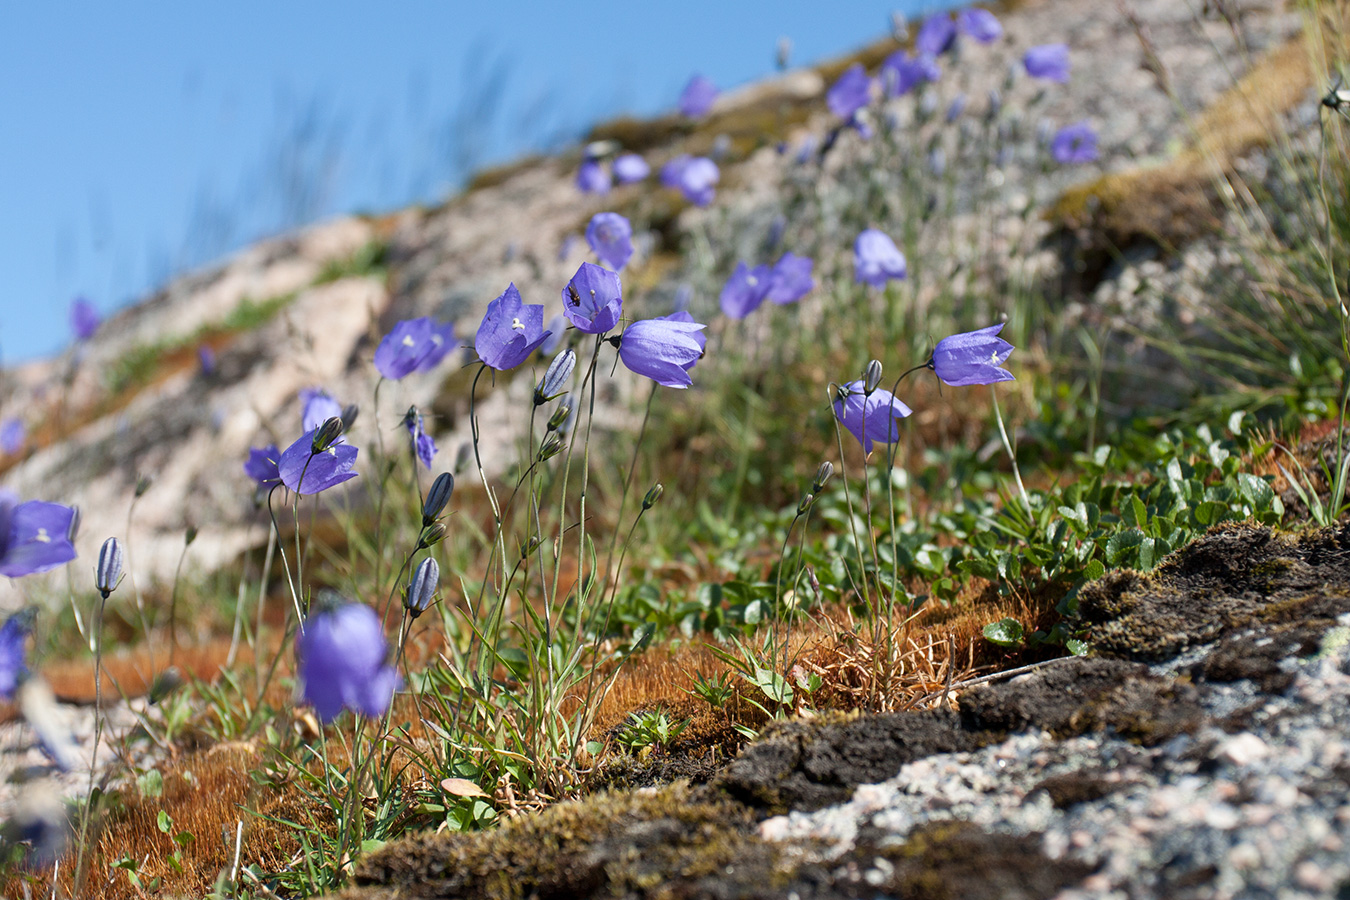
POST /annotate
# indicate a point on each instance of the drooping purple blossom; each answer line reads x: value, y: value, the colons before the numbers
x: 414, y: 345
x: 901, y: 73
x: 629, y: 167
x: 317, y: 407
x: 592, y: 178
x: 972, y: 357
x: 262, y: 465
x: 744, y: 291
x: 694, y: 176
x: 610, y: 237
x: 13, y: 435
x: 423, y: 446
x: 13, y: 644
x: 936, y: 35
x: 979, y: 25
x: 342, y: 662
x: 304, y: 471
x: 850, y: 93
x: 510, y: 331
x: 663, y: 349
x: 1048, y: 61
x: 84, y: 319
x: 696, y: 100
x: 593, y: 299
x: 876, y: 259
x: 869, y: 418
x: 790, y: 279
x: 1076, y: 143
x: 34, y: 536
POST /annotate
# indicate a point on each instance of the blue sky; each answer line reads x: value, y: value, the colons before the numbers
x: 143, y: 139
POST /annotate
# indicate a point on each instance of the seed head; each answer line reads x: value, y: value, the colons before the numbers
x: 550, y: 447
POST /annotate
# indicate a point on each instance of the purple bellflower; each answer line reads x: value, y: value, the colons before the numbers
x: 611, y: 238
x: 979, y: 25
x: 262, y: 465
x: 694, y: 176
x: 511, y: 330
x: 876, y: 259
x: 972, y: 357
x: 413, y: 345
x: 12, y: 436
x: 871, y: 417
x: 936, y: 35
x: 745, y: 290
x: 663, y: 349
x: 629, y: 167
x: 1076, y: 143
x: 305, y: 471
x: 901, y: 73
x: 423, y: 446
x: 696, y: 100
x: 13, y: 638
x: 790, y: 279
x: 342, y: 655
x: 84, y: 319
x: 592, y: 178
x: 317, y: 407
x: 1048, y: 61
x: 34, y: 536
x: 593, y: 299
x: 850, y: 93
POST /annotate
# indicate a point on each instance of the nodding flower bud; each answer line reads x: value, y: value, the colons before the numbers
x: 326, y: 434
x: 554, y: 382
x: 432, y: 534
x: 561, y: 414
x: 823, y: 475
x: 165, y: 684
x: 805, y: 504
x: 550, y: 447
x: 109, y: 570
x: 653, y: 494
x: 529, y: 545
x: 437, y: 498
x: 190, y: 535
x: 872, y: 377
x: 349, y: 414
x: 143, y: 483
x: 422, y: 588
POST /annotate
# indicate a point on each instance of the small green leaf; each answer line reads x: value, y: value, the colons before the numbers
x: 1094, y: 570
x: 1122, y: 545
x: 165, y: 823
x: 1076, y: 647
x: 1005, y: 632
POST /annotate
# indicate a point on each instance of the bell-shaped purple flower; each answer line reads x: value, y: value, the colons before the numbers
x: 510, y: 331
x: 593, y: 299
x: 12, y: 436
x: 790, y: 279
x: 423, y: 446
x: 611, y: 238
x: 871, y: 417
x: 317, y: 407
x: 850, y: 93
x: 629, y: 167
x: 306, y: 472
x: 663, y: 349
x: 13, y: 646
x: 745, y: 290
x: 979, y: 25
x: 694, y: 176
x: 1048, y: 61
x: 84, y: 319
x: 414, y: 345
x: 342, y: 662
x: 592, y: 178
x: 696, y: 100
x: 34, y: 536
x: 262, y: 465
x: 901, y: 73
x: 876, y: 259
x: 1076, y: 143
x: 936, y: 35
x: 972, y: 357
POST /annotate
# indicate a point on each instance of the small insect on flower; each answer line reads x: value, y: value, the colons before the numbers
x: 869, y: 417
x: 593, y: 299
x: 342, y: 660
x: 972, y: 357
x: 510, y: 331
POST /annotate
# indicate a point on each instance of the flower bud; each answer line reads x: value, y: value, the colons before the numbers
x: 872, y: 377
x: 561, y: 414
x: 653, y: 495
x: 326, y: 434
x: 165, y: 684
x: 143, y: 483
x: 554, y: 382
x: 823, y: 475
x: 422, y: 588
x: 805, y: 504
x: 437, y: 498
x: 75, y: 519
x: 529, y: 545
x: 349, y: 414
x: 432, y: 534
x: 550, y: 447
x: 109, y: 570
x: 190, y: 535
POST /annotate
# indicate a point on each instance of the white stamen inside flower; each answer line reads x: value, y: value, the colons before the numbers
x: 517, y: 324
x: 43, y: 536
x: 407, y: 340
